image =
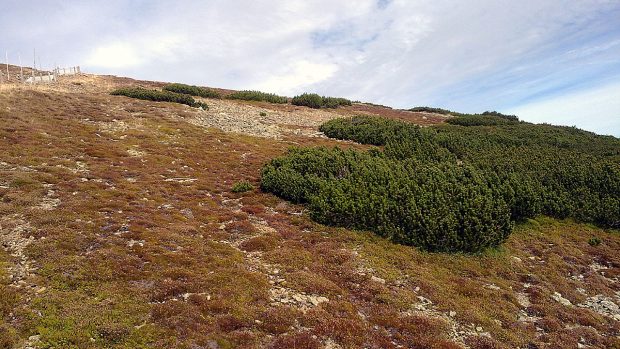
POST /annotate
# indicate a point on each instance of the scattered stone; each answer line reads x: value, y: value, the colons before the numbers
x: 49, y: 202
x: 598, y: 267
x: 452, y: 313
x: 187, y: 213
x: 602, y: 305
x: 135, y: 153
x: 523, y: 300
x: 558, y: 298
x: 492, y: 287
x: 377, y: 279
x: 330, y: 344
x: 132, y: 243
x: 181, y: 180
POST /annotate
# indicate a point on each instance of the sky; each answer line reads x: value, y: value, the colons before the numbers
x: 553, y: 61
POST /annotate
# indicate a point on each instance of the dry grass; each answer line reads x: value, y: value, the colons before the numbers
x: 151, y: 249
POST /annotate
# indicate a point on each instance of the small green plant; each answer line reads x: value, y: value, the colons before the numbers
x: 594, y: 241
x: 158, y: 96
x: 263, y: 113
x: 481, y: 120
x: 242, y: 187
x: 192, y: 90
x: 258, y: 96
x: 201, y: 105
x: 315, y: 101
x: 311, y: 100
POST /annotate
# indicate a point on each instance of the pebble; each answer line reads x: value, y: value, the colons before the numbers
x: 377, y: 279
x: 558, y: 298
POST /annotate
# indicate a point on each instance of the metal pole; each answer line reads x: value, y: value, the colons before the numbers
x: 8, y: 76
x: 21, y: 68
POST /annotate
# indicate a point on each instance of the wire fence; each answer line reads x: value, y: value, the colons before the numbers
x: 15, y: 74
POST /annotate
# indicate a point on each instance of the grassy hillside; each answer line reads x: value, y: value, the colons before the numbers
x: 120, y: 228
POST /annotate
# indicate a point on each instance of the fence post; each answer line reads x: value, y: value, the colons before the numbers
x: 8, y: 75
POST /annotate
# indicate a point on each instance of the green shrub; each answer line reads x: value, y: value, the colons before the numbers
x: 192, y: 90
x: 157, y: 96
x: 263, y: 113
x: 311, y: 100
x: 241, y: 187
x: 594, y: 241
x: 201, y: 105
x: 446, y: 208
x: 258, y: 96
x: 451, y: 188
x: 450, y: 112
x: 315, y: 101
x: 481, y: 120
x: 433, y: 110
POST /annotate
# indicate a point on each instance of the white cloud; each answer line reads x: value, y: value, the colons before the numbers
x: 135, y: 52
x: 297, y: 76
x: 115, y: 55
x: 596, y: 110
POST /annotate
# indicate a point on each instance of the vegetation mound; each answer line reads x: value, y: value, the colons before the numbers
x: 158, y: 96
x: 451, y: 188
x: 316, y: 101
x: 192, y: 90
x: 258, y: 96
x: 481, y: 120
x: 450, y: 112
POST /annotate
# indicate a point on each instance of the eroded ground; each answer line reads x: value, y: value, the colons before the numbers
x: 119, y: 230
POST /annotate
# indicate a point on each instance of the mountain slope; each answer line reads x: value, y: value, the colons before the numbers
x: 119, y: 230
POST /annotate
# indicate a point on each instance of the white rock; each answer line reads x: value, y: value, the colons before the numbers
x: 558, y: 298
x: 377, y: 279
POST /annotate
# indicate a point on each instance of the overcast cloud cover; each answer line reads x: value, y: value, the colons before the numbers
x: 555, y: 61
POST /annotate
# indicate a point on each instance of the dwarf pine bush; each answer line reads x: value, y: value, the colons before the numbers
x: 192, y: 90
x: 241, y: 187
x: 481, y: 120
x: 158, y: 96
x: 258, y: 96
x: 315, y: 101
x: 451, y: 188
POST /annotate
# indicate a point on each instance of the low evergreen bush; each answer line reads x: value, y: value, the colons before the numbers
x: 241, y: 187
x: 158, y: 96
x: 480, y: 120
x: 594, y: 241
x: 315, y: 101
x: 192, y: 90
x: 258, y: 96
x: 451, y: 188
